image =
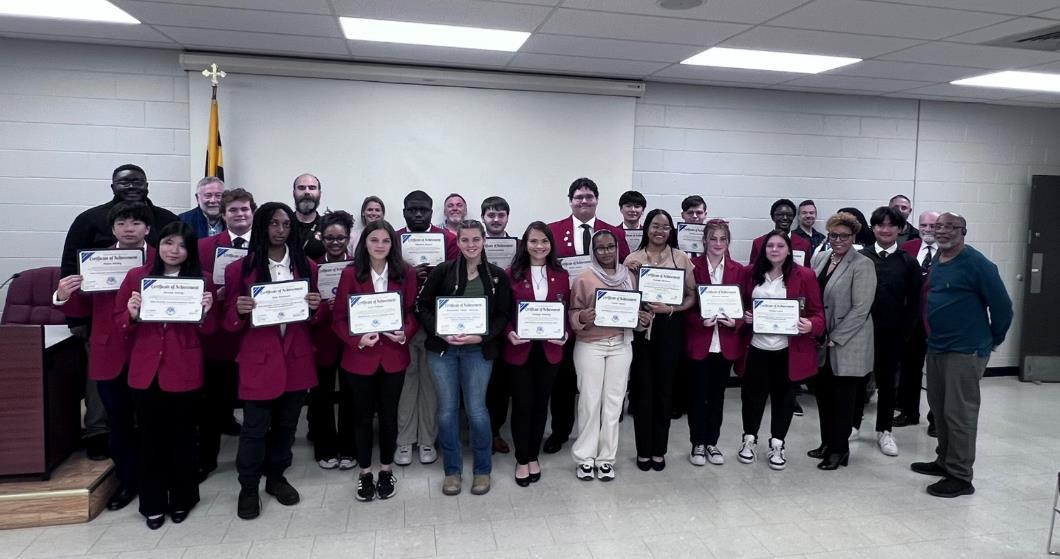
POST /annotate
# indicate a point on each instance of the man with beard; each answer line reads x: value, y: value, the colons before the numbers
x: 901, y: 203
x: 206, y: 217
x: 910, y: 380
x: 455, y: 208
x: 306, y: 191
x: 782, y: 212
x: 807, y: 218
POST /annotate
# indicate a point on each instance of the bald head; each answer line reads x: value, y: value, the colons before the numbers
x: 306, y: 192
x: 926, y: 226
x: 950, y: 230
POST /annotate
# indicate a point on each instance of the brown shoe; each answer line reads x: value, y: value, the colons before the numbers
x: 499, y: 445
x: 451, y: 485
x: 480, y: 485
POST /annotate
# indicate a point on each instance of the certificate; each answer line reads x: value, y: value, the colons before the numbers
x: 540, y: 320
x: 104, y: 269
x: 720, y: 300
x: 164, y: 299
x: 279, y: 302
x: 662, y: 285
x: 376, y: 312
x: 500, y: 251
x: 633, y: 237
x: 222, y: 257
x: 460, y: 315
x: 617, y: 308
x: 690, y: 237
x: 776, y: 316
x: 799, y: 256
x: 423, y: 248
x: 328, y: 275
x: 575, y: 265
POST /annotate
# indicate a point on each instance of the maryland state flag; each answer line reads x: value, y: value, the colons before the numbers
x: 214, y: 156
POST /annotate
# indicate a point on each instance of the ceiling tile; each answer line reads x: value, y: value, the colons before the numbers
x: 471, y: 13
x: 533, y: 2
x: 1010, y: 27
x: 243, y: 41
x: 580, y: 65
x: 729, y: 75
x: 608, y: 48
x: 906, y: 71
x: 89, y: 40
x: 742, y: 11
x: 854, y: 83
x: 963, y: 91
x: 817, y: 42
x: 1051, y: 14
x: 639, y: 28
x: 61, y: 30
x: 974, y: 56
x: 892, y: 20
x: 204, y: 17
x: 1013, y: 7
x: 1040, y: 98
x: 420, y: 54
x: 295, y: 6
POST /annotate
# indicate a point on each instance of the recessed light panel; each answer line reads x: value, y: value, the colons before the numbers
x: 81, y: 10
x: 385, y: 31
x: 768, y: 60
x: 1030, y: 81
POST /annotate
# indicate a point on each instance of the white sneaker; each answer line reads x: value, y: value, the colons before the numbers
x: 776, y: 454
x: 886, y: 442
x: 347, y: 463
x: 605, y: 472
x: 698, y: 456
x: 747, y: 451
x: 427, y: 454
x: 714, y: 456
x: 854, y: 432
x: 584, y: 471
x: 403, y: 456
x: 328, y: 463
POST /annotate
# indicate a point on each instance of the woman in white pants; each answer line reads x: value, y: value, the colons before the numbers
x: 602, y: 356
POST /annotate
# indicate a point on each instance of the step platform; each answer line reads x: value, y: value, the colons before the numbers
x: 77, y: 492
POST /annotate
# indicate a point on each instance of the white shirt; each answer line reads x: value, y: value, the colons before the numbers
x: 775, y: 289
x: 281, y: 271
x: 923, y: 251
x: 889, y: 251
x: 716, y: 278
x: 244, y: 236
x: 380, y: 281
x: 539, y: 278
x: 576, y: 233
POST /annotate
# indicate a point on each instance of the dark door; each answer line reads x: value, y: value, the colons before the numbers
x: 1040, y: 334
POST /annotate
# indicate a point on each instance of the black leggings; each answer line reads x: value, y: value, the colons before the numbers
x: 766, y: 377
x: 531, y: 384
x: 329, y: 442
x: 707, y: 380
x: 371, y: 394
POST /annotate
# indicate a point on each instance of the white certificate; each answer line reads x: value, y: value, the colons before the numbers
x: 460, y: 315
x: 720, y: 300
x: 633, y: 237
x: 328, y: 275
x: 662, y: 285
x: 617, y: 308
x: 575, y: 265
x: 222, y: 257
x: 500, y: 251
x: 104, y: 269
x: 540, y: 320
x: 423, y: 248
x: 279, y: 302
x: 376, y: 312
x: 164, y: 299
x: 799, y: 256
x: 690, y: 237
x: 776, y: 316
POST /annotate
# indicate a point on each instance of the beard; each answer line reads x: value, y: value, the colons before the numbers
x: 307, y: 205
x: 929, y: 239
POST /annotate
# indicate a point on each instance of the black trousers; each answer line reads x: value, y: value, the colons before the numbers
x: 911, y: 378
x: 766, y: 377
x: 564, y: 392
x: 117, y: 399
x: 267, y: 436
x: 889, y: 346
x: 531, y: 384
x: 652, y: 381
x: 498, y: 393
x: 835, y: 403
x: 329, y: 442
x: 169, y: 478
x: 378, y: 393
x: 217, y: 399
x: 707, y: 381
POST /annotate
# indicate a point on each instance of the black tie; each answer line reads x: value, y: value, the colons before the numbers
x: 883, y: 254
x: 587, y: 236
x: 926, y: 264
x: 238, y: 242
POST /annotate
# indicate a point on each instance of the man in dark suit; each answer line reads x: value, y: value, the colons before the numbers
x: 206, y: 217
x: 910, y: 380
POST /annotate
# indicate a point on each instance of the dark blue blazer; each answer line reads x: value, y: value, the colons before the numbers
x: 196, y: 219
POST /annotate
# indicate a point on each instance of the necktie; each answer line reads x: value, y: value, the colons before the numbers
x: 883, y: 254
x: 926, y: 264
x: 238, y: 242
x: 587, y: 236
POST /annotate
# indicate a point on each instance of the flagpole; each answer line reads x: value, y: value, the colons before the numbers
x: 214, y: 157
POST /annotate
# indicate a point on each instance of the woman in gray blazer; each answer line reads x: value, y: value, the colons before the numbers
x: 848, y: 287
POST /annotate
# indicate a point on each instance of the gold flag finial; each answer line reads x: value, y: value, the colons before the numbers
x: 214, y: 74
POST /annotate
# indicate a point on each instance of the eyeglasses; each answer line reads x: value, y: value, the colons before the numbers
x: 946, y: 227
x: 844, y: 237
x: 330, y: 239
x: 605, y: 249
x: 125, y: 183
x: 662, y: 228
x: 584, y: 198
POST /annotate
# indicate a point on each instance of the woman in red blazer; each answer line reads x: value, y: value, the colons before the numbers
x: 773, y: 363
x: 535, y: 275
x: 712, y: 345
x: 165, y: 375
x: 276, y: 366
x: 374, y: 363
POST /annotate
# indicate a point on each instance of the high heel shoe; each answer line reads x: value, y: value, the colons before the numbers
x: 819, y: 452
x: 834, y: 461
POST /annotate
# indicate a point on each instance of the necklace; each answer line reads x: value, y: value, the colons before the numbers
x: 836, y: 261
x: 655, y: 261
x: 538, y: 285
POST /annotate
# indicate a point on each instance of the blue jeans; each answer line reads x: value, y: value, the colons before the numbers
x: 462, y: 368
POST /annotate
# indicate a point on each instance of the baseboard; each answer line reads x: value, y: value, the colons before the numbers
x: 1002, y: 372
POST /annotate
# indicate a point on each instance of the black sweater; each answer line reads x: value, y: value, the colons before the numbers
x: 449, y: 279
x: 897, y: 303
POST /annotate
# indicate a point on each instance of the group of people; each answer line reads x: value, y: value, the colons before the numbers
x: 874, y: 297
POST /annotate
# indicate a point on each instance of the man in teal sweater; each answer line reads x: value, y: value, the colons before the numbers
x: 968, y: 314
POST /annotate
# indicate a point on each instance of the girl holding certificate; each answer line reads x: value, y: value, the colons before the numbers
x: 656, y: 350
x: 276, y: 366
x: 461, y: 362
x: 773, y: 363
x: 374, y: 363
x: 602, y: 356
x: 165, y: 375
x: 712, y: 344
x: 535, y: 275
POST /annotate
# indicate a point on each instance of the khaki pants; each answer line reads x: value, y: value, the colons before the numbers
x: 418, y: 406
x: 603, y: 370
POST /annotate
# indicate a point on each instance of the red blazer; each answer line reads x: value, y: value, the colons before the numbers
x: 565, y: 237
x: 269, y: 364
x: 172, y: 352
x: 108, y: 346
x: 802, y: 349
x: 797, y: 243
x: 221, y: 345
x: 697, y: 336
x: 912, y: 247
x: 392, y: 357
x: 523, y: 290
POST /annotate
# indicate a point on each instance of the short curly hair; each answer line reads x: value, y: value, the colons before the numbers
x: 846, y: 219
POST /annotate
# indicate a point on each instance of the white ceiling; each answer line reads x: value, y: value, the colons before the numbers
x: 912, y: 48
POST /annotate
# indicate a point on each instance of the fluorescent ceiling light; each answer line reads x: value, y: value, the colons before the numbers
x: 1031, y: 81
x: 84, y: 10
x: 384, y: 31
x: 768, y: 60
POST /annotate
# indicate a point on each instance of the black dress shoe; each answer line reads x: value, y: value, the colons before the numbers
x: 119, y: 500
x: 179, y: 516
x: 249, y: 506
x: 928, y: 468
x: 534, y: 478
x: 156, y: 522
x: 97, y: 447
x: 833, y: 461
x: 232, y: 428
x: 522, y: 481
x: 644, y: 465
x: 904, y: 420
x: 283, y: 491
x: 658, y: 465
x: 819, y: 452
x: 950, y: 487
x: 553, y: 444
x: 932, y: 431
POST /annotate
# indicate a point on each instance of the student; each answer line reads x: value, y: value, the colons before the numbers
x: 108, y: 347
x: 631, y: 204
x: 462, y: 363
x: 165, y: 375
x: 532, y: 364
x: 373, y: 365
x: 275, y: 362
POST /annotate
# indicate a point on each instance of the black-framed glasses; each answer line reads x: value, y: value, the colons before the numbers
x: 125, y: 183
x: 605, y: 249
x: 332, y: 239
x: 946, y: 227
x: 843, y: 237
